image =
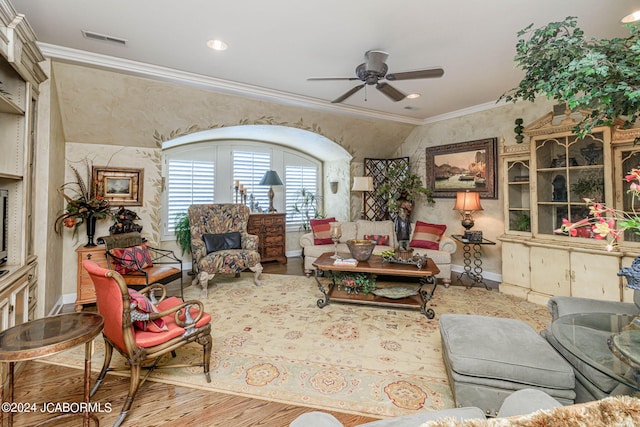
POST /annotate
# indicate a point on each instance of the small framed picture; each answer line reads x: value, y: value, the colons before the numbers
x: 120, y: 186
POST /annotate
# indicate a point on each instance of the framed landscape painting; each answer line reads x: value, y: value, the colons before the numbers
x: 120, y: 186
x: 463, y: 166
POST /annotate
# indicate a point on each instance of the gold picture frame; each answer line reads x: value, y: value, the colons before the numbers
x: 120, y: 186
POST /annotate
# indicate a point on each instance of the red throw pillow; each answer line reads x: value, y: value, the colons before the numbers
x: 427, y: 235
x: 133, y: 258
x: 320, y: 228
x: 141, y: 308
x: 380, y: 239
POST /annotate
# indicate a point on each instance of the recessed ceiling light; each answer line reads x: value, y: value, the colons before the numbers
x: 217, y: 45
x: 413, y: 95
x: 632, y: 17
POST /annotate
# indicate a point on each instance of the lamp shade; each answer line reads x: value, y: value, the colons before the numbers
x: 271, y: 178
x: 467, y: 202
x: 362, y: 183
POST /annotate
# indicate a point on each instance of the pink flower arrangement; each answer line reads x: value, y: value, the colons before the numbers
x: 606, y: 223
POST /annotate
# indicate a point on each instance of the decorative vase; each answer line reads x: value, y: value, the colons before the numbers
x: 91, y: 230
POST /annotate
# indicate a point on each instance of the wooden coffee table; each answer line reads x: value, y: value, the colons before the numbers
x: 375, y: 265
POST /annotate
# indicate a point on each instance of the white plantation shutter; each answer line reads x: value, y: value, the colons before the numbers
x: 298, y: 178
x: 249, y: 167
x: 189, y: 182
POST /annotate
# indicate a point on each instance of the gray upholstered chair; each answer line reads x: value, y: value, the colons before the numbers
x: 590, y: 384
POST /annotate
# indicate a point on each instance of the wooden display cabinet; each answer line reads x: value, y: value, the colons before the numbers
x: 86, y: 293
x: 548, y: 180
x: 271, y: 229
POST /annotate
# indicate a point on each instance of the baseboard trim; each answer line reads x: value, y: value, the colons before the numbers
x: 495, y: 277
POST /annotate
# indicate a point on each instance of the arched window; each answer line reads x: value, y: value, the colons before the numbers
x: 207, y: 171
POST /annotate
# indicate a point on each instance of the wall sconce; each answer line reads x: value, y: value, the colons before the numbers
x: 362, y: 183
x: 334, y: 186
x: 466, y: 203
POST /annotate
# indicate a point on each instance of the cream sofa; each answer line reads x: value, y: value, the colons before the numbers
x: 358, y: 229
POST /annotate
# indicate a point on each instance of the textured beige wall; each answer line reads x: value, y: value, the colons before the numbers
x: 121, y: 119
x: 113, y: 156
x: 49, y: 152
x: 103, y: 107
x: 497, y: 122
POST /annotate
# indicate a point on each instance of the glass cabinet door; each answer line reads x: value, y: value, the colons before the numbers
x: 519, y: 195
x: 568, y: 170
x: 630, y: 159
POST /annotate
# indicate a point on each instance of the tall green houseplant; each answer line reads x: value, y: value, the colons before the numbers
x: 599, y: 76
x: 182, y: 232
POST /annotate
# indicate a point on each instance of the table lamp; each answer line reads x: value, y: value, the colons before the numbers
x: 362, y: 184
x: 466, y: 203
x: 271, y: 178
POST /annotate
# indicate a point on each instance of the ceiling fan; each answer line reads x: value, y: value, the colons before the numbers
x: 374, y: 70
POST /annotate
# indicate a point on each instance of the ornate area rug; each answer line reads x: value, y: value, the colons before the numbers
x: 274, y: 343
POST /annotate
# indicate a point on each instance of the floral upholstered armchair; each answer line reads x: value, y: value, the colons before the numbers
x: 220, y: 242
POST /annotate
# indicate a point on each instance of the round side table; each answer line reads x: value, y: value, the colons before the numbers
x: 47, y: 336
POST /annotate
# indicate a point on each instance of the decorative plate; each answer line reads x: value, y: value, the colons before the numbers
x: 396, y: 292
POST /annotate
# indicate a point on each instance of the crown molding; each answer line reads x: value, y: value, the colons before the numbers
x: 463, y: 112
x: 170, y: 75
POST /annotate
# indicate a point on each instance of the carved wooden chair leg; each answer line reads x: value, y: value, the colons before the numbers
x: 257, y: 270
x: 133, y: 389
x: 206, y: 343
x: 108, y: 352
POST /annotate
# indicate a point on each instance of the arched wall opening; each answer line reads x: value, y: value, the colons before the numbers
x: 335, y: 160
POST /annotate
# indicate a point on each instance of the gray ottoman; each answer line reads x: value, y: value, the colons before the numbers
x: 487, y: 358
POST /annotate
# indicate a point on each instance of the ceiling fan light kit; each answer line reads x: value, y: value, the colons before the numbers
x: 374, y: 69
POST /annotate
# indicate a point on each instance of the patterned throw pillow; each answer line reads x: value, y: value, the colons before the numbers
x: 142, y: 307
x: 427, y: 235
x: 133, y: 258
x: 380, y: 239
x: 320, y: 228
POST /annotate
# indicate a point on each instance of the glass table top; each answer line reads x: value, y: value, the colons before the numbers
x: 589, y: 337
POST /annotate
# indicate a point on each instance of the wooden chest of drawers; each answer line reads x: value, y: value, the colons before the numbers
x: 86, y: 293
x: 270, y: 228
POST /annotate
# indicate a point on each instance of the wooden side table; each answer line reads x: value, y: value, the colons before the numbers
x: 86, y: 293
x: 47, y: 336
x: 271, y: 229
x: 475, y: 273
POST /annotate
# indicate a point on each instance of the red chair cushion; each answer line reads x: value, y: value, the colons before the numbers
x: 133, y: 258
x: 144, y: 306
x: 147, y: 339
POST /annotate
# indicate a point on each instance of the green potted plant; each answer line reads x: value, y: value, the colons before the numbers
x: 600, y: 76
x: 522, y: 222
x: 182, y: 232
x: 306, y: 206
x: 589, y: 187
x: 401, y: 188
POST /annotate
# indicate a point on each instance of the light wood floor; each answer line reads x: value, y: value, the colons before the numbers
x: 160, y: 404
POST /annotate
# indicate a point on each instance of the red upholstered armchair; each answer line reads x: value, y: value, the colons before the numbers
x: 143, y: 329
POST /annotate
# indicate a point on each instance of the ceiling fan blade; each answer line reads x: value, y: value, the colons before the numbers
x: 391, y: 91
x: 417, y: 74
x: 333, y: 78
x: 347, y: 94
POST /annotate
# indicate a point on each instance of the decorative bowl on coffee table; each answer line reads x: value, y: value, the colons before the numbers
x: 361, y: 249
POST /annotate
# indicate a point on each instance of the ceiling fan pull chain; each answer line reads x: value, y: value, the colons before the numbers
x: 365, y: 93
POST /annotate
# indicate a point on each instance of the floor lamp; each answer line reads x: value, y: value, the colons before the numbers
x: 271, y: 178
x: 362, y: 184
